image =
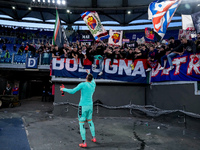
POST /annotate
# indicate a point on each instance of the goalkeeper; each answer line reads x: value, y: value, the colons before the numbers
x: 85, y: 109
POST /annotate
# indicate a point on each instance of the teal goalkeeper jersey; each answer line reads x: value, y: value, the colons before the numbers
x: 87, y: 90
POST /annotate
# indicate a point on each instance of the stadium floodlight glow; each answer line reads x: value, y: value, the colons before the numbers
x: 34, y: 1
x: 38, y: 1
x: 49, y: 1
x: 129, y: 12
x: 63, y: 2
x: 68, y: 11
x: 29, y: 8
x: 13, y: 7
x: 53, y: 1
x: 43, y: 1
x: 58, y: 2
x: 198, y: 5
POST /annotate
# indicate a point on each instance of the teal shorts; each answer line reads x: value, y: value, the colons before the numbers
x: 85, y: 113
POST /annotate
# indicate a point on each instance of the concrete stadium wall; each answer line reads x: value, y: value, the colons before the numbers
x: 110, y: 94
x: 174, y: 96
x: 164, y: 96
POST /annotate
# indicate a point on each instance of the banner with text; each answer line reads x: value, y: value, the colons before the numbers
x: 187, y: 68
x: 120, y: 70
x: 32, y: 63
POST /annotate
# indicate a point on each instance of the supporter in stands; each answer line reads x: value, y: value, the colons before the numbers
x: 15, y: 90
x: 21, y: 49
x: 7, y: 54
x: 32, y: 50
x: 161, y: 52
x: 46, y: 56
x: 122, y: 53
x: 188, y: 45
x: 69, y: 53
x: 82, y: 55
x: 47, y: 45
x: 64, y: 49
x: 198, y: 44
x: 99, y: 55
x: 26, y: 49
x: 14, y: 48
x: 90, y: 55
x: 152, y: 61
x: 116, y: 53
x: 167, y: 51
x: 75, y: 54
x: 8, y: 90
x: 145, y: 51
x: 131, y: 55
x: 173, y: 43
x: 108, y: 53
x: 4, y: 47
x: 41, y: 48
x: 138, y: 53
x: 180, y: 50
x: 56, y: 53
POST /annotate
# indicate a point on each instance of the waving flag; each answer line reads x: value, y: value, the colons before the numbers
x: 59, y: 36
x: 93, y: 22
x: 161, y: 13
x: 115, y: 37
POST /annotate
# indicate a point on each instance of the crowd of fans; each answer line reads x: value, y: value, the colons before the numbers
x: 21, y: 34
x: 154, y: 52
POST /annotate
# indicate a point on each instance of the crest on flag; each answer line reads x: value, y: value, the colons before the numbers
x: 115, y: 37
x: 93, y: 22
x: 149, y: 33
x: 161, y: 13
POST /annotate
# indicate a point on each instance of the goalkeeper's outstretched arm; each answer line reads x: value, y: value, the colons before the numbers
x: 72, y: 91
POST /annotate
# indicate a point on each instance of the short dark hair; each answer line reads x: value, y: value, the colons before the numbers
x: 89, y: 77
x: 171, y: 38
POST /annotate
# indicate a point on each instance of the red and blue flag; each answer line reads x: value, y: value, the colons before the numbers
x: 161, y: 13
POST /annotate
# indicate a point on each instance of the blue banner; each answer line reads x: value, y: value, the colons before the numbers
x: 121, y: 70
x: 32, y: 63
x: 186, y: 68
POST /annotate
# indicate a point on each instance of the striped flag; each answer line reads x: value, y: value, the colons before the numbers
x: 58, y: 37
x: 93, y: 22
x: 161, y: 13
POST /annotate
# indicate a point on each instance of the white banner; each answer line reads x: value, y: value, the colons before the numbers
x: 115, y: 37
x: 186, y: 33
x: 93, y: 22
x: 187, y: 23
